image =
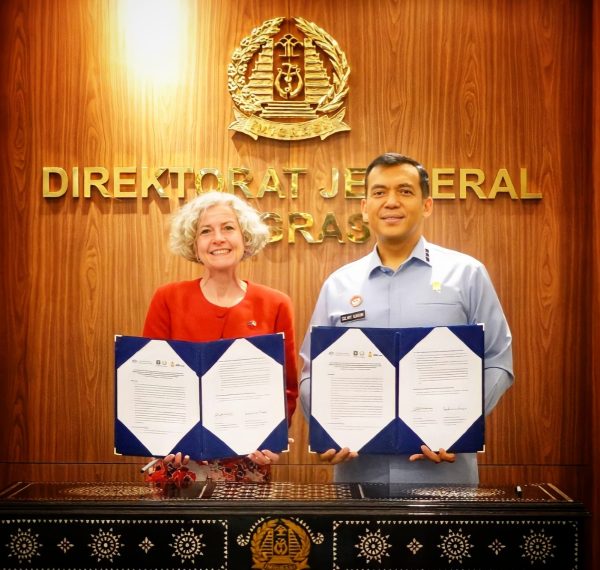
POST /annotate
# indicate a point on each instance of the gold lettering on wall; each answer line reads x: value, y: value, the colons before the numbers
x: 271, y: 183
x: 213, y: 172
x: 359, y: 229
x: 95, y: 177
x: 240, y: 178
x: 127, y: 182
x: 121, y: 181
x: 332, y: 191
x: 330, y: 228
x: 294, y: 172
x: 300, y: 222
x: 170, y: 181
x: 354, y: 188
x: 473, y: 179
x: 275, y: 223
x: 55, y: 182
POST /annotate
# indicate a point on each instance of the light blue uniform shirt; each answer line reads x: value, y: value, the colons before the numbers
x: 433, y: 287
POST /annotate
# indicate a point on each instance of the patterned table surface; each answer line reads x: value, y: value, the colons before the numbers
x: 220, y: 525
x: 211, y: 491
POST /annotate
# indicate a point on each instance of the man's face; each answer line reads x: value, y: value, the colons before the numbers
x: 394, y: 204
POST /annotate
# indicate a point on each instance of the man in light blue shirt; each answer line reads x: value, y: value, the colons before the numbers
x: 407, y: 282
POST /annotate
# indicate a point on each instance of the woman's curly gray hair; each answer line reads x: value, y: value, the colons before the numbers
x: 184, y: 224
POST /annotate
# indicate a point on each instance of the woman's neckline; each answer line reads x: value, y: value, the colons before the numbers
x: 243, y: 286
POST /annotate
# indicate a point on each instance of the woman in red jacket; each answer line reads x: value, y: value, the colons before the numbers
x: 219, y: 230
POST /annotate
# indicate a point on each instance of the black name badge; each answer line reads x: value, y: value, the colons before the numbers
x: 349, y: 317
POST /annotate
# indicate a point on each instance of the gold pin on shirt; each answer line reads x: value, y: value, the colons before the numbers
x: 356, y: 300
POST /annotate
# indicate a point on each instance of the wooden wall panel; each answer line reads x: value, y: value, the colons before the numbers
x: 594, y: 404
x: 457, y: 84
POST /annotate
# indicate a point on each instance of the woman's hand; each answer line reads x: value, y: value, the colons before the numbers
x: 172, y: 469
x: 177, y: 459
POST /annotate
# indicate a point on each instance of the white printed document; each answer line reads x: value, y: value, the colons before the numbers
x: 209, y: 400
x: 392, y: 390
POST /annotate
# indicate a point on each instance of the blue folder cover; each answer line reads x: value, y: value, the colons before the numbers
x: 397, y: 437
x: 198, y: 442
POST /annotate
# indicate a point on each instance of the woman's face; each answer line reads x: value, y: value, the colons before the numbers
x: 219, y: 240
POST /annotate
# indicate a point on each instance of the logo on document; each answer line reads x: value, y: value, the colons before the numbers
x: 288, y: 85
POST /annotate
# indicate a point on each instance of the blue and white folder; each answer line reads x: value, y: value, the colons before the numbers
x: 209, y: 400
x: 389, y: 390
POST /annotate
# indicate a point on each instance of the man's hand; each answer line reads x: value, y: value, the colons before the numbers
x: 333, y: 458
x: 439, y: 457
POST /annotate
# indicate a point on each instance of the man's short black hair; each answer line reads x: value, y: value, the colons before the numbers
x: 392, y: 159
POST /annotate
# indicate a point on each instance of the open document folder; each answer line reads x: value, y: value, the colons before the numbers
x: 209, y: 400
x: 391, y: 390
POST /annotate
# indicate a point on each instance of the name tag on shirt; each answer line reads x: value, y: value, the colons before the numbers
x: 357, y: 316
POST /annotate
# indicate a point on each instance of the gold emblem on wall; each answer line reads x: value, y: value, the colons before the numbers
x: 288, y: 86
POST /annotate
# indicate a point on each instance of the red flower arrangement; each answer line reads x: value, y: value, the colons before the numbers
x: 162, y: 473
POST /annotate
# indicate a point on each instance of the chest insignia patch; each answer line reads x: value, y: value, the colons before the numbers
x: 356, y: 300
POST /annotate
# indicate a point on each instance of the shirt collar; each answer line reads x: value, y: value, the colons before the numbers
x: 420, y: 252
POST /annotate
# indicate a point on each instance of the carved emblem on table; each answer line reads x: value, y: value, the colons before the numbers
x: 280, y: 544
x: 287, y: 87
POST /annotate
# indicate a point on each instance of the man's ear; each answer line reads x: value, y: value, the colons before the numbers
x: 427, y: 206
x: 363, y: 209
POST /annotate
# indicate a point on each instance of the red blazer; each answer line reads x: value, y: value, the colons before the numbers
x: 179, y: 311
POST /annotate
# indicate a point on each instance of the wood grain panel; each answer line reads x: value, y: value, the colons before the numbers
x: 594, y: 403
x: 74, y: 471
x: 13, y: 285
x: 457, y: 84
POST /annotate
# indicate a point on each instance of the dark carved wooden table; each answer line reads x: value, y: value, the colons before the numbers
x: 288, y: 526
